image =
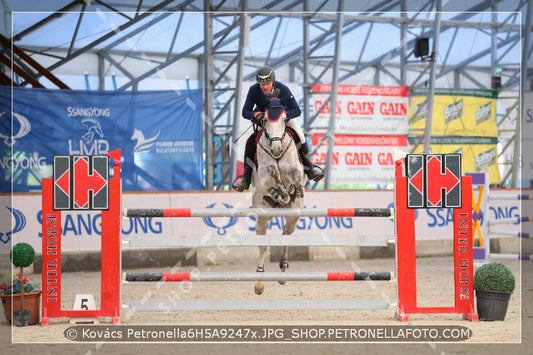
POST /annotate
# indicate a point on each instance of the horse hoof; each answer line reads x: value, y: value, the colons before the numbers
x: 274, y: 194
x: 259, y: 290
x: 284, y: 201
x: 283, y: 264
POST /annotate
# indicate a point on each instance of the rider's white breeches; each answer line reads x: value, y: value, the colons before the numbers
x: 293, y: 123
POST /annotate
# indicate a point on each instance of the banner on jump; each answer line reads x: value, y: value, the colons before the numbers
x: 159, y: 133
x: 81, y: 182
x: 363, y: 109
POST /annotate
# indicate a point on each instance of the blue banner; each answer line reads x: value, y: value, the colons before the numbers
x: 159, y: 133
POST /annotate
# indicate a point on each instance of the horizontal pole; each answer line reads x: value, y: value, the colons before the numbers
x: 510, y: 197
x: 510, y: 220
x: 510, y: 233
x: 257, y: 212
x: 258, y: 304
x: 258, y: 276
x: 192, y: 241
x: 512, y: 256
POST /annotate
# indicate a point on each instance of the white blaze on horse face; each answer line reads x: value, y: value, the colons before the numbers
x: 275, y: 127
x: 275, y: 130
x: 276, y: 149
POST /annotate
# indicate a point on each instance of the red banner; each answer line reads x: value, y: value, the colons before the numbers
x: 363, y: 109
x: 361, y: 159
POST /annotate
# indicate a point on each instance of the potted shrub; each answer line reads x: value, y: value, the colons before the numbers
x: 20, y: 298
x: 494, y: 283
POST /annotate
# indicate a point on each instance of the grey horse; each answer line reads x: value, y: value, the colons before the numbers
x: 278, y: 180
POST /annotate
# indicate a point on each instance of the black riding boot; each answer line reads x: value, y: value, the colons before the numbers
x: 313, y: 172
x: 242, y: 182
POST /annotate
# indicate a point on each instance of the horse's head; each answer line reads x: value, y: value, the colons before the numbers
x: 274, y: 125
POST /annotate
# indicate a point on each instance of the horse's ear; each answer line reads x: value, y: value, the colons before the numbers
x: 273, y: 94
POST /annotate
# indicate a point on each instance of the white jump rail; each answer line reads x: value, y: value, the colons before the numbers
x: 258, y: 212
x: 196, y: 241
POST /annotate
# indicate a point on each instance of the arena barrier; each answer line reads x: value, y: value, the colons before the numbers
x: 489, y: 228
x: 82, y: 182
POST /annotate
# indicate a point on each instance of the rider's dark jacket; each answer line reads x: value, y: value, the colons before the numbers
x: 256, y: 100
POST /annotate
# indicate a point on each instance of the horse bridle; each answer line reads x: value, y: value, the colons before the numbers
x: 273, y: 139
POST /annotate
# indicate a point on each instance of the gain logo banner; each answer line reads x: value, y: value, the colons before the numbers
x: 157, y: 131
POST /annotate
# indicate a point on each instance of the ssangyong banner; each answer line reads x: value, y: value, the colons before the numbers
x: 363, y: 109
x: 463, y: 121
x: 157, y: 131
x: 361, y: 159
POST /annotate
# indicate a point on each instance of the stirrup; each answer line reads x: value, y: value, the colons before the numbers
x: 319, y: 176
x: 238, y: 184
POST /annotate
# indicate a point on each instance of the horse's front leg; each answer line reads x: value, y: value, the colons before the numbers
x: 260, y: 229
x: 279, y: 194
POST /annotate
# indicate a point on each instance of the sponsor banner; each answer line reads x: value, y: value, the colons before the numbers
x: 22, y: 216
x: 159, y: 133
x: 363, y: 109
x: 464, y: 122
x: 456, y: 112
x: 361, y: 159
x: 477, y: 154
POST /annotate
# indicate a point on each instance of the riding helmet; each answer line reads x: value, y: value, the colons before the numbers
x: 265, y: 75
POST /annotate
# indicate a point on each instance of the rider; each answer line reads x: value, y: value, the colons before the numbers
x: 254, y: 110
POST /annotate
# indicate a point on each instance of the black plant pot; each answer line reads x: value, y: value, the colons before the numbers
x: 492, y: 305
x: 22, y: 318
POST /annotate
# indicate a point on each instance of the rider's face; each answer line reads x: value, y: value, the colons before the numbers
x: 266, y: 88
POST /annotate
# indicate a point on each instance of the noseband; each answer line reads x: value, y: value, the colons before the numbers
x: 273, y: 139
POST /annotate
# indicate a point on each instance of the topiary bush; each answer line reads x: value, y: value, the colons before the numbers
x: 22, y: 255
x: 494, y: 277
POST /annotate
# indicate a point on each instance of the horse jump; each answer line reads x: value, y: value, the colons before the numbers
x: 490, y: 227
x: 405, y: 258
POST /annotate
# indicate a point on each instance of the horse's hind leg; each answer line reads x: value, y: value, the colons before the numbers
x: 260, y: 285
x: 260, y: 229
x: 289, y: 228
